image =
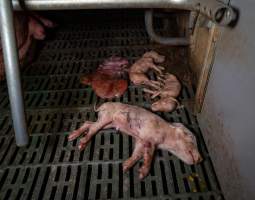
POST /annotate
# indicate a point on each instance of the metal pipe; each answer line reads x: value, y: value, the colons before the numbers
x: 102, y: 4
x: 10, y: 55
x: 180, y: 41
x: 214, y: 9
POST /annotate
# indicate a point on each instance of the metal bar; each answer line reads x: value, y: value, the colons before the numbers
x: 102, y: 4
x: 180, y: 41
x: 216, y: 10
x: 10, y: 55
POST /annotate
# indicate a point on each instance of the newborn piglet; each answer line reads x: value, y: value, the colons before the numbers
x: 137, y: 72
x: 148, y: 130
x: 168, y: 94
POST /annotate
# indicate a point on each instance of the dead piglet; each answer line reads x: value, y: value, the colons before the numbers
x: 137, y: 72
x: 168, y: 94
x: 149, y: 131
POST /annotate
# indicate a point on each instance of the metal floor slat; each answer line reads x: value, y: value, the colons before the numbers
x: 50, y: 167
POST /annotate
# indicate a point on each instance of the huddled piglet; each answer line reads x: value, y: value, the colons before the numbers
x: 137, y: 72
x: 168, y: 94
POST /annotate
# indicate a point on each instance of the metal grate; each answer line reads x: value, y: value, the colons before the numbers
x: 50, y: 167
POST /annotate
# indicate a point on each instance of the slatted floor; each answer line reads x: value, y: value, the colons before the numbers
x: 50, y: 167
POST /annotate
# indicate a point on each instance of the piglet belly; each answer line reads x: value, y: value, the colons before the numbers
x: 122, y: 123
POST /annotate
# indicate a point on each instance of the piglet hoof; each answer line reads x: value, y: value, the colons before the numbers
x: 82, y: 146
x: 74, y: 135
x: 143, y: 172
x: 161, y: 68
x: 126, y: 166
x: 84, y: 141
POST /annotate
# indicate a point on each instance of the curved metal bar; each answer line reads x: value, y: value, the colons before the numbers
x: 181, y: 41
x: 12, y: 73
x: 213, y: 9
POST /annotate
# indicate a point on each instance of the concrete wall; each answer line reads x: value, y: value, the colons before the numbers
x: 228, y: 115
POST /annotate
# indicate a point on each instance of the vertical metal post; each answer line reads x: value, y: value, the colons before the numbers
x: 11, y: 62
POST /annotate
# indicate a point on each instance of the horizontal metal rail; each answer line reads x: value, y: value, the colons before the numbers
x: 213, y: 9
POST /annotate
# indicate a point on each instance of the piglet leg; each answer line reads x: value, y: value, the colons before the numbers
x: 160, y: 67
x: 136, y: 155
x: 94, y: 128
x: 161, y: 78
x: 153, y: 84
x: 85, y: 127
x: 149, y: 91
x: 152, y: 92
x: 156, y: 68
x: 147, y: 159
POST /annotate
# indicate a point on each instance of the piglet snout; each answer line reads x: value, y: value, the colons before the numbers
x: 196, y: 157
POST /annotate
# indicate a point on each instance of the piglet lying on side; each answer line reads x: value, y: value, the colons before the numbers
x: 149, y: 131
